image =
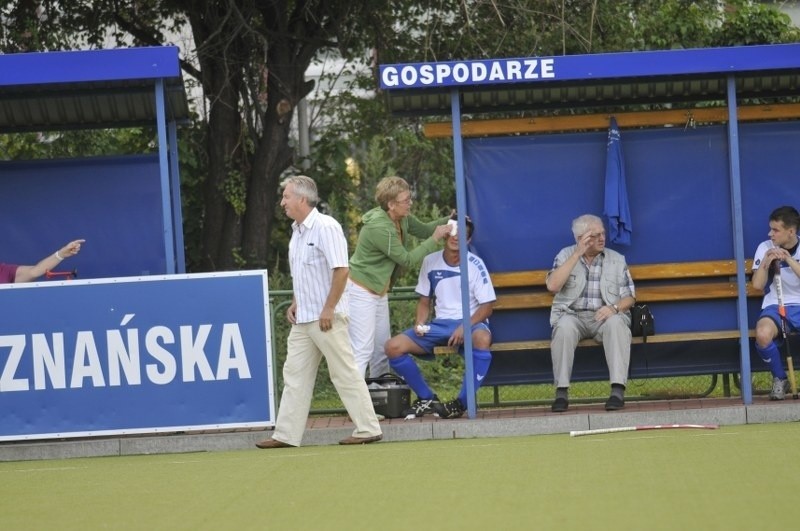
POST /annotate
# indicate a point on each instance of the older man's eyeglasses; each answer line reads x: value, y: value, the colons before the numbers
x: 405, y: 201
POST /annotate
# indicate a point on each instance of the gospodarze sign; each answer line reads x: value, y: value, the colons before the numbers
x: 135, y: 355
x: 466, y: 73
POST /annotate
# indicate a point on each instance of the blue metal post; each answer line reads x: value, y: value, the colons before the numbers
x: 461, y: 206
x: 175, y: 196
x: 738, y: 240
x: 163, y: 168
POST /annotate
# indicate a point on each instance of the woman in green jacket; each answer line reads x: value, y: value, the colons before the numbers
x: 379, y: 258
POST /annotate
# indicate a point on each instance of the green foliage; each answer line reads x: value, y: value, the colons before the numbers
x: 361, y: 143
x: 748, y: 22
x: 79, y: 143
x: 235, y: 191
x: 193, y: 161
x: 674, y: 24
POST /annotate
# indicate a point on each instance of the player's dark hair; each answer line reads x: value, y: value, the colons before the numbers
x: 787, y: 215
x: 470, y: 225
x: 470, y: 228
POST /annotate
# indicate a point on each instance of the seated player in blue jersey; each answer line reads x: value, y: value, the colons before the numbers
x: 780, y: 252
x: 440, y: 281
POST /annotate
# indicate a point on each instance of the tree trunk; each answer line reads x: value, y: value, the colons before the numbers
x: 272, y: 157
x: 222, y: 226
x: 242, y: 185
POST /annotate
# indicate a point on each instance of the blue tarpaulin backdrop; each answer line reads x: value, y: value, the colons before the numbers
x: 523, y: 193
x: 114, y: 203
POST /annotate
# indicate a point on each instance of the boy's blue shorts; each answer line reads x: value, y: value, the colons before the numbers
x: 439, y: 334
x: 792, y: 315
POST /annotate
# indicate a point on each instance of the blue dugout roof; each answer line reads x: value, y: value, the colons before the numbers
x: 593, y: 80
x: 89, y: 89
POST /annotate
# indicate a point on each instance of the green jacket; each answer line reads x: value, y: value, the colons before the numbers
x: 381, y: 255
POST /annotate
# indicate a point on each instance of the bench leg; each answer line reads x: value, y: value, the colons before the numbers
x: 726, y: 385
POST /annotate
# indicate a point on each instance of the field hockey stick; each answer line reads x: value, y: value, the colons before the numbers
x: 784, y: 331
x: 599, y: 431
x: 68, y: 275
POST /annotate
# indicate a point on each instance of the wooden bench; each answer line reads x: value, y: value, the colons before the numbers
x: 655, y: 283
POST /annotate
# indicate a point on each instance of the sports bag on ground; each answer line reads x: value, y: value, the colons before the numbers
x: 390, y: 395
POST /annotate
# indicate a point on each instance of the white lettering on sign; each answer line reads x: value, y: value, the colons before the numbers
x: 116, y: 359
x: 442, y: 73
x: 468, y: 72
x: 7, y: 380
x: 426, y: 74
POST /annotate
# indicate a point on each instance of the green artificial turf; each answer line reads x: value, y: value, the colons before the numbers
x: 737, y: 477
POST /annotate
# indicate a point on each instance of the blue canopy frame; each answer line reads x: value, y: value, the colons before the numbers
x: 87, y: 89
x: 607, y: 80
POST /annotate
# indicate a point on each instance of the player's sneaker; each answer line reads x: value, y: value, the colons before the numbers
x: 779, y: 389
x: 452, y: 409
x: 422, y: 407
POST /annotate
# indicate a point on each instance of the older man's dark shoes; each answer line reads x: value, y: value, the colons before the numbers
x: 273, y: 443
x: 361, y: 440
x: 614, y: 403
x: 560, y: 405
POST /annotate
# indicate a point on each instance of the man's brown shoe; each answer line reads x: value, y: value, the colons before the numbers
x: 361, y: 440
x: 273, y: 443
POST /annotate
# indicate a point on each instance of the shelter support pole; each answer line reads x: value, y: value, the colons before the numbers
x: 175, y: 197
x: 163, y: 169
x: 738, y: 240
x: 461, y: 206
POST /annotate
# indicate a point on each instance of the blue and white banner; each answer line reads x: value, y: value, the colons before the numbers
x: 135, y: 355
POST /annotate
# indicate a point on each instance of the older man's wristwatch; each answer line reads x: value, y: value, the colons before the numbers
x: 616, y: 307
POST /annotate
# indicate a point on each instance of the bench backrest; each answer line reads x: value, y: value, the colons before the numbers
x: 695, y: 300
x: 679, y: 281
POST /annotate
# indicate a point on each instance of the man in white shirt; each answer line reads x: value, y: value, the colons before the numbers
x: 781, y: 252
x: 319, y: 265
x: 440, y: 279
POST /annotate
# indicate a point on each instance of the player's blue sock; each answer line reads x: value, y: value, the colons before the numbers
x: 407, y: 368
x: 772, y: 357
x: 481, y: 359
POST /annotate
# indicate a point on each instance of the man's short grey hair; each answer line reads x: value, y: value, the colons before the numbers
x: 304, y: 187
x: 581, y: 224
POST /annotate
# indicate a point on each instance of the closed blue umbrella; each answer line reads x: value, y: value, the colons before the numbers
x: 616, y: 209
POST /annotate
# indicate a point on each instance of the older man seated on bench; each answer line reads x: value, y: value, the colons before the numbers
x: 593, y: 293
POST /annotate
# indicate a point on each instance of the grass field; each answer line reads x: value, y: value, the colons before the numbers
x: 737, y: 477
